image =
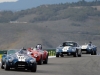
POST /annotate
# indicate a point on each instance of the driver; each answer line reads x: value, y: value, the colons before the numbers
x: 90, y: 43
x: 25, y: 51
x: 39, y: 47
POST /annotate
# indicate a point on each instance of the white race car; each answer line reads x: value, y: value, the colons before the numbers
x: 89, y: 49
x: 69, y: 48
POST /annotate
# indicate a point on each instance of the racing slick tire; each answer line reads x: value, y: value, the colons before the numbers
x: 2, y: 67
x: 6, y: 67
x: 57, y: 55
x: 34, y: 68
x: 40, y: 61
x: 75, y: 54
x: 79, y: 55
x: 95, y: 52
x: 92, y: 52
x: 62, y: 55
x: 46, y: 60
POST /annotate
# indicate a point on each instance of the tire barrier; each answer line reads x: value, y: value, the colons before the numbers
x: 51, y: 52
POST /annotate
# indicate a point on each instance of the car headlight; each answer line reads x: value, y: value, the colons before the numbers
x: 90, y: 48
x: 69, y: 48
x: 57, y: 50
x: 73, y: 50
x: 10, y: 59
x: 32, y: 61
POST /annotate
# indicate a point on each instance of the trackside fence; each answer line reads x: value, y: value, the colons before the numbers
x: 52, y: 52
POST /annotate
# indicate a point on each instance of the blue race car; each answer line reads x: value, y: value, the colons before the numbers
x: 16, y: 59
x: 89, y: 49
x: 69, y: 48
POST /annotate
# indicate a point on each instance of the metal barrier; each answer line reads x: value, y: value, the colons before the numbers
x: 52, y: 51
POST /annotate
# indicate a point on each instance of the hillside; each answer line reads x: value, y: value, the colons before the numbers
x: 27, y: 32
x: 49, y: 33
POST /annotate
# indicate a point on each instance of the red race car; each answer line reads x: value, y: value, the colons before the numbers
x: 40, y: 55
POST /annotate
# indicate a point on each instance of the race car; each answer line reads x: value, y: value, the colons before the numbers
x: 69, y: 48
x: 40, y: 55
x: 18, y: 60
x: 89, y: 49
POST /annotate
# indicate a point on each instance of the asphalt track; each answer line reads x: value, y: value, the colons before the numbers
x: 68, y: 65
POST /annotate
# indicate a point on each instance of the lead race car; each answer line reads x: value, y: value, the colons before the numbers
x: 18, y: 60
x: 69, y: 48
x: 89, y: 48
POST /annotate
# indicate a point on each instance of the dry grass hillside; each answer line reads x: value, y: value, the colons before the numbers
x: 49, y: 33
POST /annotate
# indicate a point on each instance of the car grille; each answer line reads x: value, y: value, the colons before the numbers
x: 21, y: 64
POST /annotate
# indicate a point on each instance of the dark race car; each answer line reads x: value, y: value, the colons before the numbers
x: 18, y: 60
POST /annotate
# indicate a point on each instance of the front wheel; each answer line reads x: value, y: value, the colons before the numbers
x: 57, y: 55
x: 6, y: 67
x: 34, y: 68
x: 75, y: 54
x: 92, y: 52
x: 40, y: 61
x: 95, y: 52
x: 2, y: 67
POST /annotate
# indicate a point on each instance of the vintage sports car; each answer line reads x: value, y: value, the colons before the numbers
x: 69, y: 48
x: 18, y: 60
x: 40, y: 55
x: 89, y: 49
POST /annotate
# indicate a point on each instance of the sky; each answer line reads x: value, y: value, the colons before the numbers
x: 25, y: 4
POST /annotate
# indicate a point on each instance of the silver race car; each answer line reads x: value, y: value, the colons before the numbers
x: 89, y: 49
x: 19, y: 60
x: 69, y: 48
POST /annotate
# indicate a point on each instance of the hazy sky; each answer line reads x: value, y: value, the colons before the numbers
x: 25, y: 4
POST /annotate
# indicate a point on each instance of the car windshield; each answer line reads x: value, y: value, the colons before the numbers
x: 12, y: 51
x: 68, y: 44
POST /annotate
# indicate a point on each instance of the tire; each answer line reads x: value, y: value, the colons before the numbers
x: 95, y: 52
x: 46, y: 60
x: 92, y: 52
x: 34, y: 68
x: 75, y: 54
x: 40, y: 61
x: 79, y: 55
x: 57, y: 55
x: 2, y: 67
x: 6, y: 67
x: 62, y: 55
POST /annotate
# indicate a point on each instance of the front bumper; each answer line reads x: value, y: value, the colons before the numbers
x: 18, y: 64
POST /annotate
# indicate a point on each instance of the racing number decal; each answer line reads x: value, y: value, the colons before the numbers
x: 21, y: 58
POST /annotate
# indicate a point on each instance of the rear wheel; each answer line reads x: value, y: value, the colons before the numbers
x: 46, y: 60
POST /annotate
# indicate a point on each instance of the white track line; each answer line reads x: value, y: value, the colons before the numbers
x: 51, y: 56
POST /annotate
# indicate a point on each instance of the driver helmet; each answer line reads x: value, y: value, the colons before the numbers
x: 38, y: 46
